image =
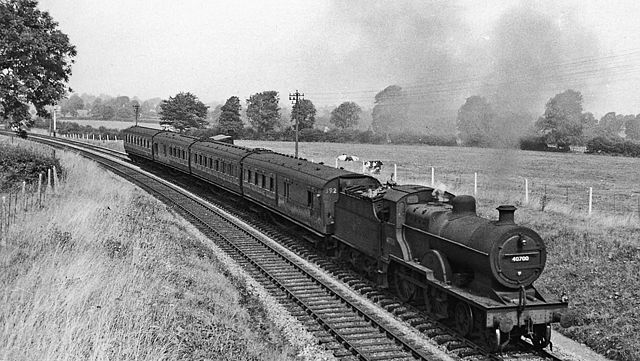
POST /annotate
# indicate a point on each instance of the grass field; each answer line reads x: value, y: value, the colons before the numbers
x: 106, y: 272
x: 594, y: 260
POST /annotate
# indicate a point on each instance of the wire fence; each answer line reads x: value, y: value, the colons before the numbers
x: 575, y: 197
x: 17, y: 205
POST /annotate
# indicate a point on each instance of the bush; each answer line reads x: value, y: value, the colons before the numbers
x: 19, y: 164
x: 534, y: 142
x: 613, y: 146
x: 75, y: 128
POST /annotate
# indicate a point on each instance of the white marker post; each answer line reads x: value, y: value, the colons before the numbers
x: 475, y: 183
x: 395, y: 173
x: 433, y: 176
x: 590, y: 199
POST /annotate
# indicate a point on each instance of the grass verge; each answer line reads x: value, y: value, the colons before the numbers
x: 104, y: 271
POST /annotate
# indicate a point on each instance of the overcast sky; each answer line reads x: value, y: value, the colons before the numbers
x: 518, y: 52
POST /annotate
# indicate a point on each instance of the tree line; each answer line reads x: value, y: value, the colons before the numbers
x: 564, y: 123
x: 36, y: 64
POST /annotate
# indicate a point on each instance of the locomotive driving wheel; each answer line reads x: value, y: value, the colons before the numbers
x: 463, y: 318
x: 405, y: 289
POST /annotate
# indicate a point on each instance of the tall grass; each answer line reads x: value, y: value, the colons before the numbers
x: 106, y: 273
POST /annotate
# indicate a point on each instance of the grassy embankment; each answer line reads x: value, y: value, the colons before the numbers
x: 594, y: 260
x: 105, y: 272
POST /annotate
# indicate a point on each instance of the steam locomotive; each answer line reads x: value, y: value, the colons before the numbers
x: 429, y: 246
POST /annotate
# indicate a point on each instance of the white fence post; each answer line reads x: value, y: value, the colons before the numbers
x: 395, y: 173
x: 590, y: 199
x: 433, y: 176
x: 475, y: 183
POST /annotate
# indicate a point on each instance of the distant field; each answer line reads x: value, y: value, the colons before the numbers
x: 111, y: 124
x: 501, y: 172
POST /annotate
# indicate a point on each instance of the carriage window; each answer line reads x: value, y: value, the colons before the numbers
x: 183, y: 155
x: 255, y: 178
x: 263, y: 181
x: 164, y: 148
x: 287, y: 186
x: 271, y: 184
x: 248, y: 176
x: 200, y: 159
x: 310, y: 199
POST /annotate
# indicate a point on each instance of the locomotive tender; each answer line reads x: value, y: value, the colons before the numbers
x: 429, y: 246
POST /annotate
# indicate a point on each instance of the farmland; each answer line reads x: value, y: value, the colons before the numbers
x: 501, y: 172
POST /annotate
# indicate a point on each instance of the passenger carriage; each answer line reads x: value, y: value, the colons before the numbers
x: 172, y: 149
x: 218, y: 163
x: 302, y: 191
x: 138, y: 141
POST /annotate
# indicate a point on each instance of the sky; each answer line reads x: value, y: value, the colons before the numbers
x: 518, y: 54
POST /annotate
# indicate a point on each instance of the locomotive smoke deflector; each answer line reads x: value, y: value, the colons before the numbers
x: 506, y: 215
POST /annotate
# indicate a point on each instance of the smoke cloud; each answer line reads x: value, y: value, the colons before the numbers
x: 435, y: 52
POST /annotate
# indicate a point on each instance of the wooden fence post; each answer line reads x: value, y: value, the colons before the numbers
x: 55, y: 179
x: 40, y: 189
x: 24, y: 196
x: 48, y: 181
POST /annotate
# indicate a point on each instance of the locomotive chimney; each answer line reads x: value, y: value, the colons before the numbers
x: 506, y: 214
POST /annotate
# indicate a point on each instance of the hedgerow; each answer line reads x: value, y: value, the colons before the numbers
x: 19, y: 164
x: 613, y: 146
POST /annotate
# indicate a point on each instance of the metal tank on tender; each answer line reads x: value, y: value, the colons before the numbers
x: 513, y: 255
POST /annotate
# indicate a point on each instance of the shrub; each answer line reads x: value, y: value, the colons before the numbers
x: 19, y: 164
x: 534, y: 142
x: 614, y: 146
x: 75, y: 128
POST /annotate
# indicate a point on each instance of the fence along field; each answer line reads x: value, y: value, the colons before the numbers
x: 555, y: 181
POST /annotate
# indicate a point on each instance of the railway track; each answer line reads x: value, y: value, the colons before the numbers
x: 348, y: 328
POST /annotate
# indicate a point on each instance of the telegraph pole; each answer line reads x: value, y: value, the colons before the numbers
x: 294, y: 100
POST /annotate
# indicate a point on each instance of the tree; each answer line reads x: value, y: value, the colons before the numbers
x: 35, y: 60
x: 346, y: 115
x: 632, y: 128
x: 183, y: 111
x: 74, y: 104
x: 562, y: 121
x: 474, y: 122
x: 390, y: 111
x: 229, y: 120
x: 305, y: 112
x: 263, y: 110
